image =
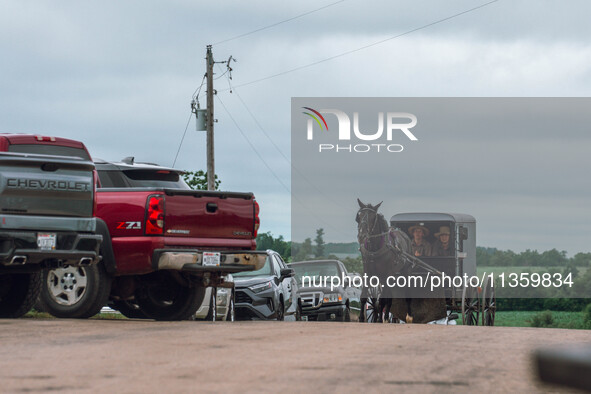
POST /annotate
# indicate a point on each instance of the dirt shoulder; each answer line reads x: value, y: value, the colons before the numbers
x: 133, y: 356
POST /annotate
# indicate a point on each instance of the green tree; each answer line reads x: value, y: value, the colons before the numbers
x: 267, y: 241
x: 319, y: 242
x: 304, y: 250
x: 197, y: 180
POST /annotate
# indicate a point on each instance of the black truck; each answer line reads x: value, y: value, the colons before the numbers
x: 47, y: 204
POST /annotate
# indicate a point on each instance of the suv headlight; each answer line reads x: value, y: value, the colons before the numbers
x: 260, y: 287
x: 332, y: 297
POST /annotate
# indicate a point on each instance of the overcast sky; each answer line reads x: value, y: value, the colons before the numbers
x: 120, y: 75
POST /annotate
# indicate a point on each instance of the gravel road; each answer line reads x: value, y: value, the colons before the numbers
x: 147, y: 356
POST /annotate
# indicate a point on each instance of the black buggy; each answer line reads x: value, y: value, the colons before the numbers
x: 473, y: 300
x: 436, y: 283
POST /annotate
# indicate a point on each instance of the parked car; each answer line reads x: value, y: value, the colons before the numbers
x: 47, y: 196
x: 218, y: 307
x: 320, y: 302
x: 164, y: 244
x: 267, y: 293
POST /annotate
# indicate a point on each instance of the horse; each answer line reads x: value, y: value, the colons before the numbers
x: 382, y: 251
x: 380, y: 246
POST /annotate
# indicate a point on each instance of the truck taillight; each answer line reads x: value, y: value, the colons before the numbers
x: 257, y: 221
x: 155, y: 215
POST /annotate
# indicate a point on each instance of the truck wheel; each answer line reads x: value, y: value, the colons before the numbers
x: 75, y: 292
x: 129, y: 309
x: 231, y: 315
x: 212, y: 314
x: 280, y: 311
x: 171, y: 301
x: 298, y: 314
x: 18, y: 293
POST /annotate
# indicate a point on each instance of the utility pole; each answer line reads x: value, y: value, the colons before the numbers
x: 210, y: 120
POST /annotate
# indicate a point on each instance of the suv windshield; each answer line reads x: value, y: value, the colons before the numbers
x: 265, y: 271
x: 142, y: 178
x: 312, y: 270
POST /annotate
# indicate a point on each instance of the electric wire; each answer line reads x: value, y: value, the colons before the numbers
x: 277, y: 23
x: 198, y: 90
x: 252, y: 145
x: 366, y: 46
x: 315, y: 215
x: 182, y: 139
x: 280, y: 151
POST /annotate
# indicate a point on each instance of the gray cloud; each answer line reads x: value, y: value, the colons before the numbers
x: 119, y: 76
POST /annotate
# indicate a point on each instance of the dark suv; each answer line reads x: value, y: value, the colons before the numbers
x: 268, y: 293
x: 320, y: 302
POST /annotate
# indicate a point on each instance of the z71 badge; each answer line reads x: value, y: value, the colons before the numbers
x: 129, y: 225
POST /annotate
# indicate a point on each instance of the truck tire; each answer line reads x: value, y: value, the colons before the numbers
x: 18, y: 293
x: 171, y: 302
x: 298, y: 314
x: 231, y: 315
x: 212, y: 314
x: 75, y: 292
x: 280, y: 311
x: 129, y: 309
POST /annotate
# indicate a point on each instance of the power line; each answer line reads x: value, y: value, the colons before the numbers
x: 198, y: 90
x: 367, y: 46
x: 273, y: 172
x: 252, y: 146
x: 278, y: 23
x: 279, y: 150
x: 182, y: 139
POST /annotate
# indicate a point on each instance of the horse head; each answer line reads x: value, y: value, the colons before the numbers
x: 368, y: 220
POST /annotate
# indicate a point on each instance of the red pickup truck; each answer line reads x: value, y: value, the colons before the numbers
x: 163, y: 243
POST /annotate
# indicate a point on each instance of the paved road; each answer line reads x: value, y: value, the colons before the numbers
x: 146, y: 356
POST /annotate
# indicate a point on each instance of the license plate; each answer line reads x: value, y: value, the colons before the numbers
x: 304, y: 318
x: 46, y: 241
x: 211, y: 258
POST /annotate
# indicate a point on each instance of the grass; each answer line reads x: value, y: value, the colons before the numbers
x: 498, y: 270
x: 571, y: 320
x: 33, y: 314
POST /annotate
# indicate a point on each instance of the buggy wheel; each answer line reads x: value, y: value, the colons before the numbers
x: 489, y: 304
x: 470, y: 306
x: 372, y: 312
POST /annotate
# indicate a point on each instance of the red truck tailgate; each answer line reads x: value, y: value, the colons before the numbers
x: 209, y: 214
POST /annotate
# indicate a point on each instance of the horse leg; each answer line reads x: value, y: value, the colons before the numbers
x: 409, y: 317
x: 388, y: 306
x: 362, y: 303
